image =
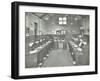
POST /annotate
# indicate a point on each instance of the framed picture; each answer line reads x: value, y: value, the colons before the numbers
x: 50, y: 40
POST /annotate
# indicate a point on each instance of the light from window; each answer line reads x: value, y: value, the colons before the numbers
x: 62, y: 20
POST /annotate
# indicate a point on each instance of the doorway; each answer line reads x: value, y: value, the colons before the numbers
x: 35, y: 30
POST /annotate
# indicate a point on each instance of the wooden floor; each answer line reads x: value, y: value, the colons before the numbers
x: 58, y: 57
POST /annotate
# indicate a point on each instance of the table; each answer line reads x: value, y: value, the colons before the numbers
x: 75, y: 51
x: 35, y: 57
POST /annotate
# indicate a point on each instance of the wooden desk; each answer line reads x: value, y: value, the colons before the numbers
x: 35, y: 57
x: 75, y: 51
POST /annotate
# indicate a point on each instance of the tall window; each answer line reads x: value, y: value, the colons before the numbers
x: 62, y: 20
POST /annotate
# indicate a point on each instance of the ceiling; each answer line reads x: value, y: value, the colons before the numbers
x: 46, y: 16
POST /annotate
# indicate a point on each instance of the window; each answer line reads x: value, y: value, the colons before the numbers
x: 62, y: 20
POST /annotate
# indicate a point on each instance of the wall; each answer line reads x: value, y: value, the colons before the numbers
x: 52, y: 24
x: 86, y: 25
x: 5, y: 40
x: 31, y: 19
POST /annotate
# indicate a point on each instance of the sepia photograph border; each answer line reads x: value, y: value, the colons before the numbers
x: 15, y: 37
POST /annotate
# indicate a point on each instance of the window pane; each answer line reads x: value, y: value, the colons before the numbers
x: 64, y: 18
x: 60, y: 22
x: 60, y: 18
x: 64, y: 22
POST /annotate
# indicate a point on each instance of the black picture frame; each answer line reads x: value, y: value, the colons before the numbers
x: 15, y: 39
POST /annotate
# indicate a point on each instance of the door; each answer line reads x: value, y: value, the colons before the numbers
x: 35, y: 30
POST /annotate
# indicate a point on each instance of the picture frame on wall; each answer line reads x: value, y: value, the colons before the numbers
x: 50, y: 40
